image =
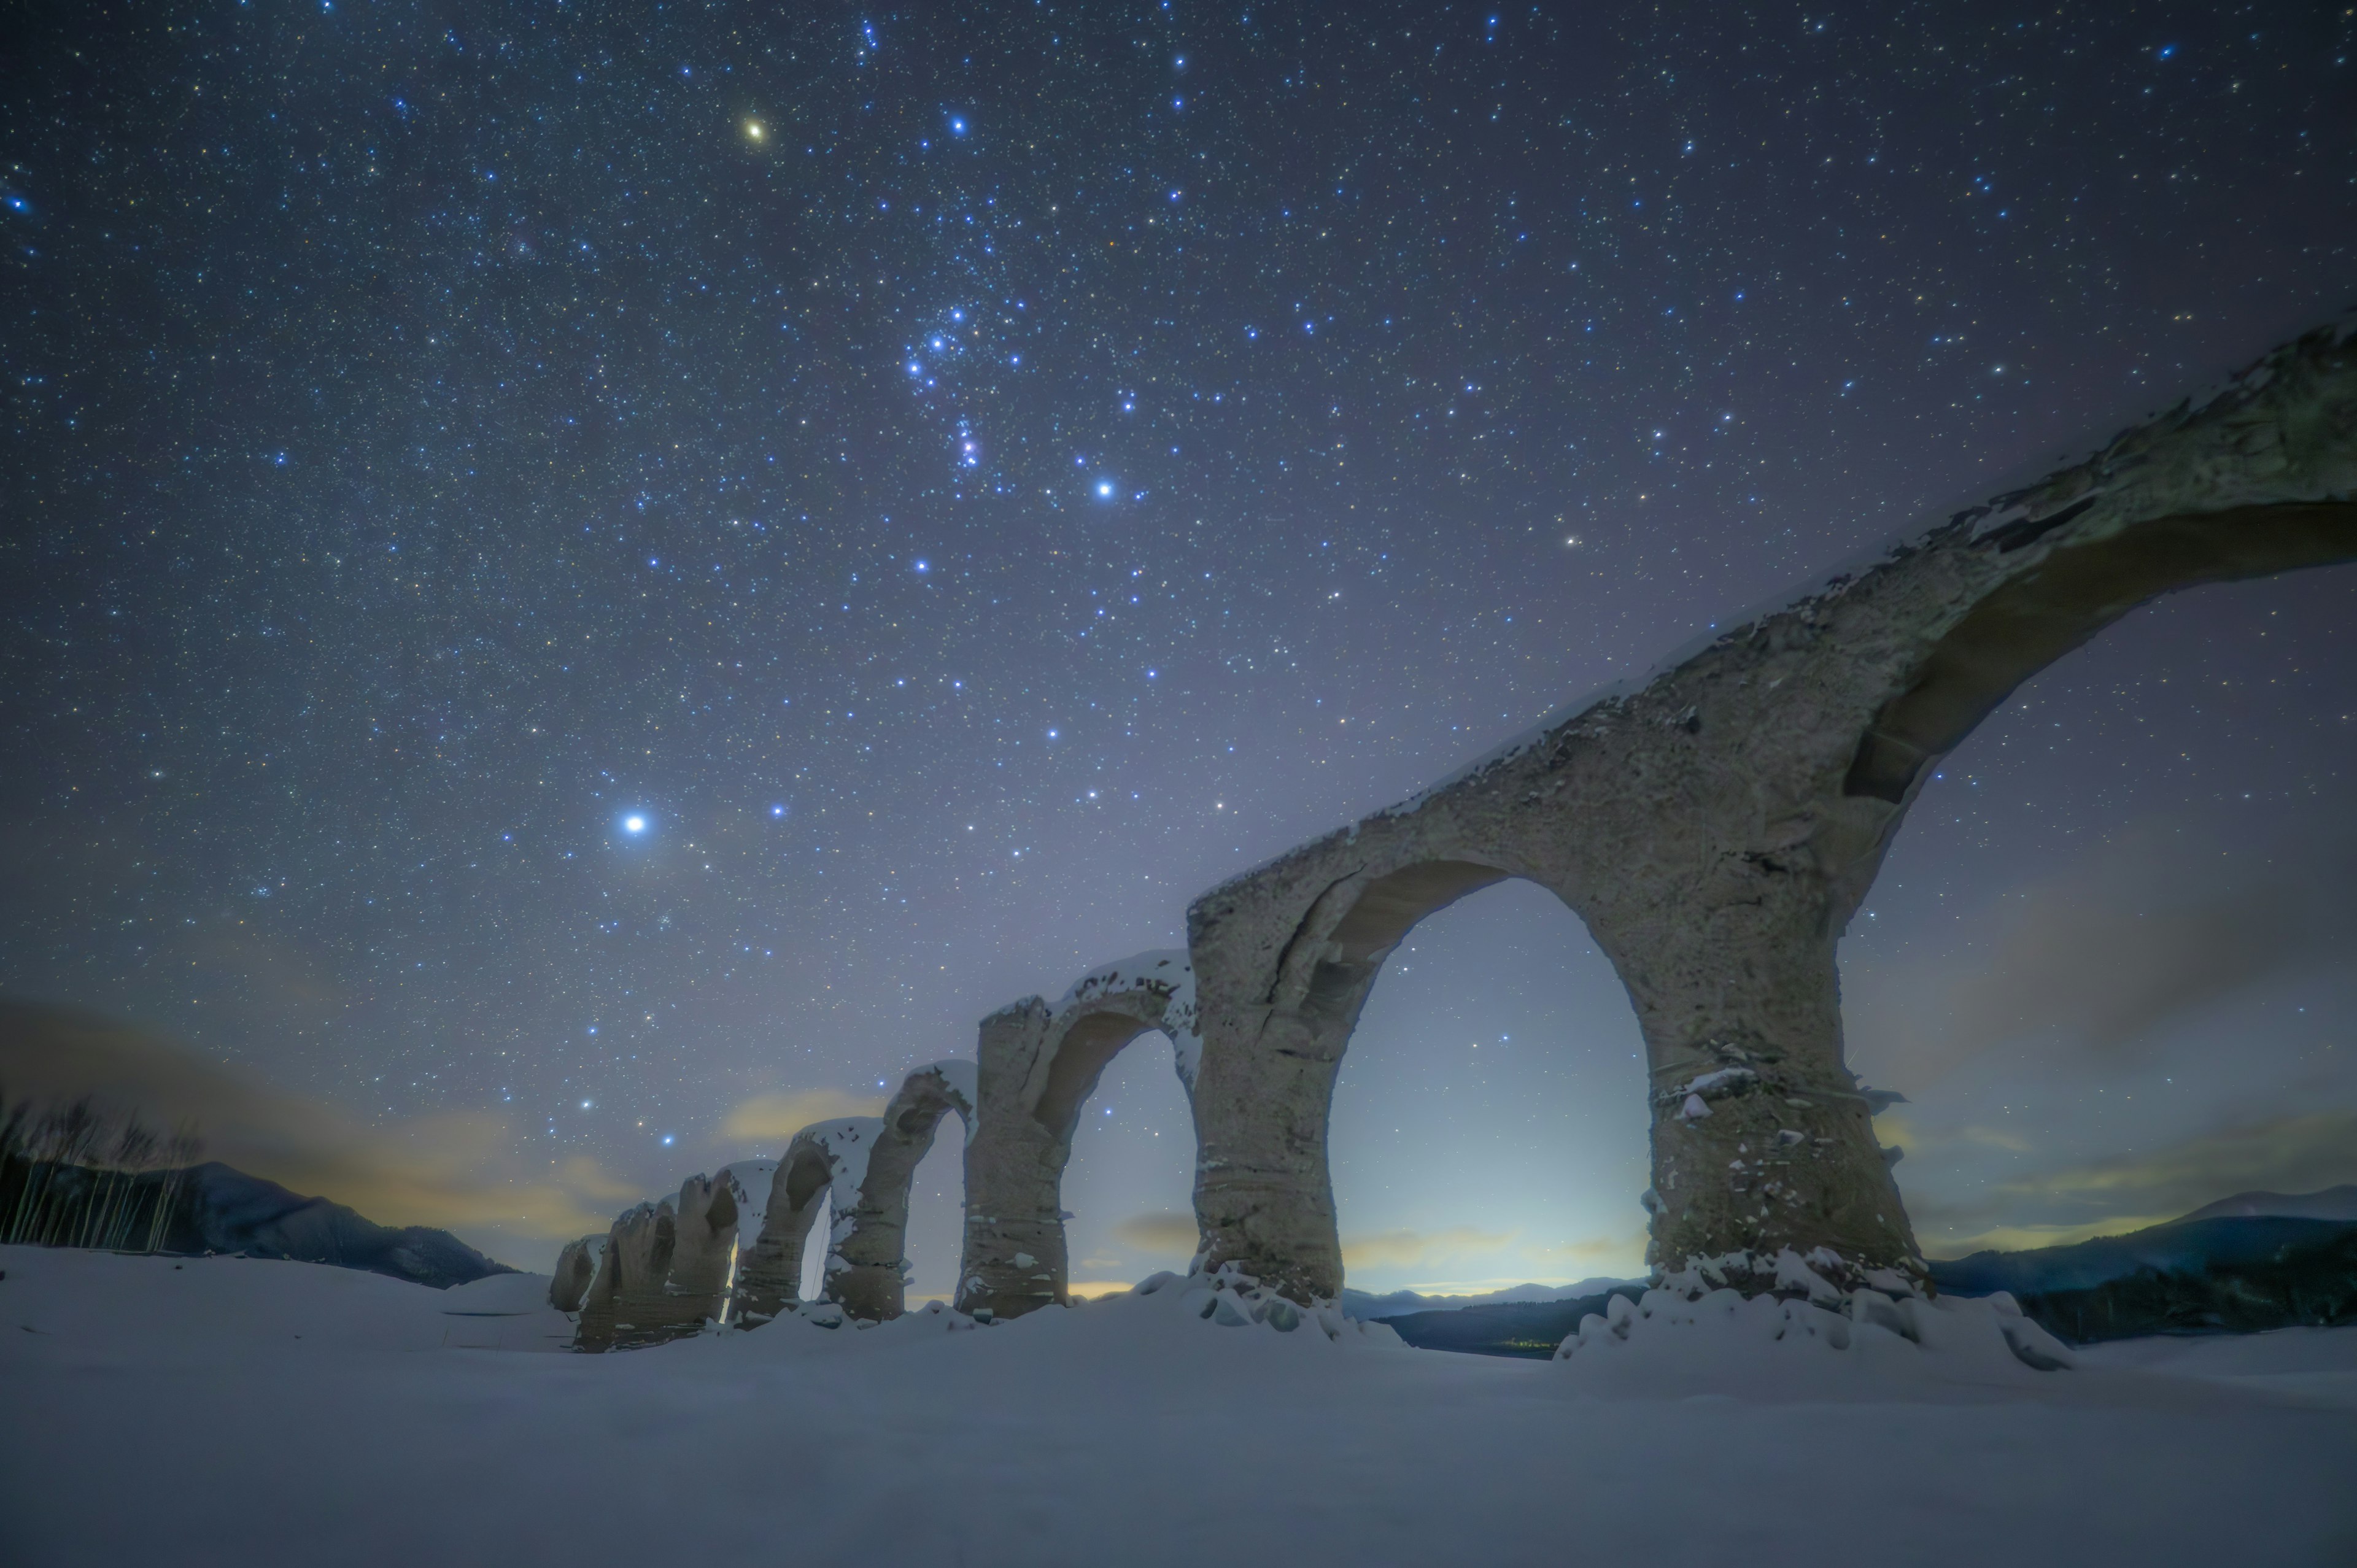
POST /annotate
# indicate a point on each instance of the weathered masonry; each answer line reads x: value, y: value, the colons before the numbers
x: 1715, y: 827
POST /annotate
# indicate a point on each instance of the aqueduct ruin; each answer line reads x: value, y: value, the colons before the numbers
x: 1715, y: 826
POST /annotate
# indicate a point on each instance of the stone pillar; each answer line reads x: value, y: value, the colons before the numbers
x: 1014, y: 1255
x: 1263, y: 1196
x: 1761, y: 1139
x: 873, y: 1282
x: 706, y: 1225
x: 577, y: 1270
x: 627, y: 1304
x: 824, y: 1165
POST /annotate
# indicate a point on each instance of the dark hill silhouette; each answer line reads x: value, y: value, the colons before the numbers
x: 218, y: 1208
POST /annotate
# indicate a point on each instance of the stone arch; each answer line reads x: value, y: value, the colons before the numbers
x: 748, y: 1183
x: 627, y: 1304
x: 824, y: 1164
x: 1262, y: 1175
x: 2081, y: 587
x: 1038, y: 1066
x: 872, y: 1284
x: 663, y: 1269
x: 1717, y: 825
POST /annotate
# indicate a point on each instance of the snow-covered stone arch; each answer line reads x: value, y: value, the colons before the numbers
x: 627, y: 1303
x: 873, y: 1281
x: 1716, y: 824
x: 1039, y: 1065
x: 664, y: 1267
x: 824, y: 1164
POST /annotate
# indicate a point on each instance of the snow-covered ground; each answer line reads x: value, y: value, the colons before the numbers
x: 226, y: 1411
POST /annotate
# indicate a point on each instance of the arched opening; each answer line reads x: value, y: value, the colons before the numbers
x: 873, y: 1281
x: 1487, y: 1125
x: 1038, y: 1067
x: 1125, y: 1117
x: 1332, y: 970
x: 936, y: 1234
x: 1083, y: 1051
x: 807, y: 1179
x: 810, y: 1282
x: 2040, y: 616
x: 816, y: 1182
x: 2106, y: 958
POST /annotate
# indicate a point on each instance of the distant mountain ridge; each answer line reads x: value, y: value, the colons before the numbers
x: 2253, y: 1262
x: 219, y: 1209
x: 1365, y: 1306
x: 2332, y: 1203
x: 2247, y: 1263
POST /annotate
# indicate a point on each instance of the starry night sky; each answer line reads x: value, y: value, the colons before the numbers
x: 966, y: 479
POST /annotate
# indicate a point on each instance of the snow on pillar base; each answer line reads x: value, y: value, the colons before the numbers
x: 872, y: 1293
x: 1014, y: 1259
x: 1263, y: 1198
x: 872, y: 1284
x: 1761, y: 1139
x: 1729, y: 1321
x: 1755, y: 1156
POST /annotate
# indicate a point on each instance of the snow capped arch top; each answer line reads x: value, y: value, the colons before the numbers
x: 826, y: 1161
x: 829, y: 1155
x: 1099, y: 1014
x: 931, y: 1093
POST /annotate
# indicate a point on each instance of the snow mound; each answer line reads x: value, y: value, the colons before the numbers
x: 1134, y: 1430
x: 1863, y: 1342
x: 1230, y: 1299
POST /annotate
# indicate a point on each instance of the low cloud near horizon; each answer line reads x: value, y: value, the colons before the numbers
x: 773, y: 1119
x: 2153, y: 1025
x: 457, y: 1171
x: 1406, y: 1248
x: 1382, y: 1259
x: 2295, y: 1153
x: 1164, y: 1233
x: 2147, y: 928
x: 1175, y: 1234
